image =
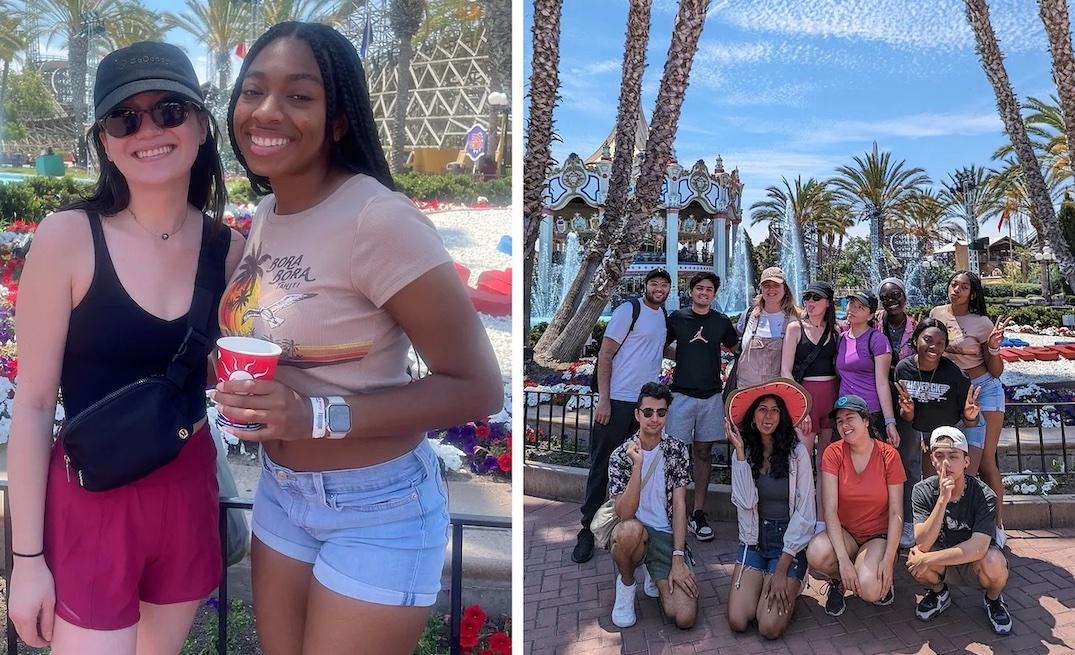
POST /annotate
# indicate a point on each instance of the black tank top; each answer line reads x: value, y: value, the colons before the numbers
x: 825, y: 362
x: 112, y: 341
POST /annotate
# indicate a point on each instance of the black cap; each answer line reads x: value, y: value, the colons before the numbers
x: 658, y: 272
x: 851, y: 402
x: 820, y: 288
x: 140, y: 67
x: 866, y: 298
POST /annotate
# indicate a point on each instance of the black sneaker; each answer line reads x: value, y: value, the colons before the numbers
x: 699, y: 527
x: 933, y: 603
x: 834, y: 599
x: 889, y: 597
x: 583, y: 547
x: 998, y: 615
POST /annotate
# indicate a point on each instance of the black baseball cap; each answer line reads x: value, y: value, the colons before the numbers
x: 658, y: 272
x: 821, y: 289
x: 140, y: 67
x: 851, y: 402
x: 866, y: 298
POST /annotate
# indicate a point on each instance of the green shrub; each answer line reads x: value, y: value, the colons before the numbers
x: 1005, y: 290
x: 1039, y: 317
x: 453, y: 188
x: 536, y: 331
x: 37, y: 197
x: 239, y: 191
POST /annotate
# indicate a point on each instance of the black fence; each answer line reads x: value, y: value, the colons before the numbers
x: 458, y: 522
x: 561, y: 422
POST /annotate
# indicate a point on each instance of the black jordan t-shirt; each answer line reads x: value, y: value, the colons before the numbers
x: 939, y: 395
x: 698, y: 339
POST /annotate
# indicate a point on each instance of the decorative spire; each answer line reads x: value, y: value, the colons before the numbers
x: 718, y: 167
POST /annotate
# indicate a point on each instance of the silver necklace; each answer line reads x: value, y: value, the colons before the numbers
x: 163, y: 235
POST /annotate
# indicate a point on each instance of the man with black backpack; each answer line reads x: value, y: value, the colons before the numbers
x: 630, y: 356
x: 696, y: 416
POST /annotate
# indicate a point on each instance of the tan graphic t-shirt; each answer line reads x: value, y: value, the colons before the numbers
x: 315, y: 283
x: 966, y: 336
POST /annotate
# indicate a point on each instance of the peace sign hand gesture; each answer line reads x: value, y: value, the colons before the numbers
x: 906, y: 402
x: 971, y: 409
x: 996, y: 337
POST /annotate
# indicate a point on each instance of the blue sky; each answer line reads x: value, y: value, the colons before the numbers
x: 799, y: 87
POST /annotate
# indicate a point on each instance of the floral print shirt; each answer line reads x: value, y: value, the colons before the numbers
x: 677, y: 469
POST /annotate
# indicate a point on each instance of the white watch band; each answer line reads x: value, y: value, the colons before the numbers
x: 320, y: 427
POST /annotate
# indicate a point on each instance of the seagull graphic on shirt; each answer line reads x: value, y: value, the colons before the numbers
x: 698, y: 337
x: 268, y: 314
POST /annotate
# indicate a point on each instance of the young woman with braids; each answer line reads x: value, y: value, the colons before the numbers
x: 350, y: 516
x: 974, y: 345
x: 773, y: 494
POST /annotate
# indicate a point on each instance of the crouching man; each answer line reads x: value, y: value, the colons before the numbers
x: 648, y: 477
x: 954, y: 516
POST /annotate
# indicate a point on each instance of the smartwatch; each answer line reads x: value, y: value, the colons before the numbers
x: 338, y: 417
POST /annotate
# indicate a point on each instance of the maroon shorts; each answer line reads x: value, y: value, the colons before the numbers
x: 823, y: 394
x: 154, y: 540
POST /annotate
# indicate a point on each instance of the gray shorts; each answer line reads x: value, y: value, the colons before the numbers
x: 696, y: 419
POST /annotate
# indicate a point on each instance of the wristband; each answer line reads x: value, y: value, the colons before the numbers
x: 889, y: 421
x: 679, y: 553
x: 320, y: 417
x: 28, y: 556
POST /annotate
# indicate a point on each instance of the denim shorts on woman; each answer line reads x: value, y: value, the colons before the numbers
x: 766, y: 555
x: 990, y: 399
x: 376, y: 533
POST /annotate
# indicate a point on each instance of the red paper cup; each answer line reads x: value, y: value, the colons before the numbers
x: 245, y: 358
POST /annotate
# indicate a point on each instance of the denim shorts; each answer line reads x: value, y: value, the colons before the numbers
x: 376, y: 534
x: 765, y: 556
x: 990, y: 399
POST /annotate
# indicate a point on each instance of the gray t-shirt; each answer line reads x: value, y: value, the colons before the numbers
x: 773, y: 497
x: 639, y: 358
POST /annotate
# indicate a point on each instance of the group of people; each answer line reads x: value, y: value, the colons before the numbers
x: 350, y: 517
x: 827, y: 421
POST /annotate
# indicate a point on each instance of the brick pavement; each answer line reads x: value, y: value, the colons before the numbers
x: 567, y: 605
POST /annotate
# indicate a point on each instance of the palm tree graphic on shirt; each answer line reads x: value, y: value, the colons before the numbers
x: 269, y: 314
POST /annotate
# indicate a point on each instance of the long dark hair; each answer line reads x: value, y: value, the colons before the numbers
x: 784, y: 440
x: 346, y: 94
x: 977, y: 296
x: 206, y: 191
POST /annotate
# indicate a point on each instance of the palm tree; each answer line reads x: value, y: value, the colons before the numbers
x: 879, y: 191
x: 630, y: 107
x: 808, y: 204
x: 1045, y: 128
x: 970, y: 196
x: 406, y: 18
x: 13, y: 42
x: 544, y: 81
x: 1054, y: 16
x: 928, y: 219
x: 497, y: 16
x: 132, y: 23
x: 1008, y: 107
x: 662, y: 133
x: 272, y: 12
x: 217, y: 24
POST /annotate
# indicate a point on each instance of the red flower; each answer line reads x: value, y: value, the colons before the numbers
x: 504, y: 462
x: 468, y: 641
x: 507, y: 441
x: 481, y: 431
x: 474, y: 614
x: 469, y: 627
x: 486, y: 652
x: 500, y: 642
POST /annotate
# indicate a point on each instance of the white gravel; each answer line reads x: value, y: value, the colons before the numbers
x: 471, y: 236
x: 1018, y: 373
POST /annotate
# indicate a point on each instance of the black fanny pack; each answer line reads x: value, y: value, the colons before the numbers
x: 142, y: 426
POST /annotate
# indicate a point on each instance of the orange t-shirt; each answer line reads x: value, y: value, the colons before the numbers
x: 862, y: 502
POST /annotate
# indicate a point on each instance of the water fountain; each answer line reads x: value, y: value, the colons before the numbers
x: 736, y: 292
x: 553, y: 280
x: 792, y: 255
x: 915, y: 283
x: 570, y: 268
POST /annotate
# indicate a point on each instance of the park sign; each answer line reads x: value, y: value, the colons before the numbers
x: 477, y: 138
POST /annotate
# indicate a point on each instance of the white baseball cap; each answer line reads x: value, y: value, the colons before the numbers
x: 959, y: 440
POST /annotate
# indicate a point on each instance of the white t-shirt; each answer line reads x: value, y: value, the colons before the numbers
x: 769, y: 325
x: 639, y: 358
x: 651, y: 509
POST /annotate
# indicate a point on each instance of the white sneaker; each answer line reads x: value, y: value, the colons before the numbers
x: 1000, y: 537
x: 623, y: 613
x: 819, y: 527
x: 907, y: 536
x: 649, y: 587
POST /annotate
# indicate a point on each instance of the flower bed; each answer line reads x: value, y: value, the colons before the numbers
x: 483, y: 447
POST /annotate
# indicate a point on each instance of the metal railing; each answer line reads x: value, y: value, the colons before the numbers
x: 458, y: 523
x: 564, y: 425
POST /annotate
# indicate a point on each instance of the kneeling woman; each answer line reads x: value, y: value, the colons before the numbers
x: 862, y: 478
x: 773, y: 494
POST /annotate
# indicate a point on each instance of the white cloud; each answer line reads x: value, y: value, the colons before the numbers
x: 597, y: 67
x: 915, y: 126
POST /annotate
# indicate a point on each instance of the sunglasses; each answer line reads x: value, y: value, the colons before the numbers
x: 123, y: 122
x: 648, y: 412
x: 813, y: 297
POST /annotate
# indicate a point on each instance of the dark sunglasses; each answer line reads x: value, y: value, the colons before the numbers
x: 122, y: 122
x: 648, y: 412
x: 813, y: 297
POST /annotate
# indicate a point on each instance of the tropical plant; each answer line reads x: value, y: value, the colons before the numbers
x: 928, y: 218
x: 1045, y: 128
x: 970, y: 196
x: 217, y: 24
x: 809, y: 204
x: 879, y: 191
x: 1054, y: 16
x: 1041, y: 204
x: 497, y: 18
x: 13, y: 42
x: 630, y: 108
x: 271, y: 12
x: 544, y: 82
x: 406, y: 17
x: 686, y: 32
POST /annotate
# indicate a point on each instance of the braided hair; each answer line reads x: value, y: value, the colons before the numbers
x: 346, y: 94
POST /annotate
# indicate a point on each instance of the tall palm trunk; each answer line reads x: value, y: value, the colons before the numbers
x: 223, y: 72
x: 1008, y: 107
x: 634, y: 65
x: 544, y: 81
x: 685, y: 35
x: 1054, y: 15
x: 406, y: 18
x: 498, y: 44
x: 77, y: 50
x: 3, y: 94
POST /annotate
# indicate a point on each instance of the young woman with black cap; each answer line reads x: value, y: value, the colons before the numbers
x: 351, y: 515
x: 107, y: 300
x: 863, y: 360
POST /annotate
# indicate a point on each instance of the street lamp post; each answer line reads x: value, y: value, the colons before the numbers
x: 966, y: 185
x: 1045, y: 258
x: 499, y: 103
x: 929, y: 263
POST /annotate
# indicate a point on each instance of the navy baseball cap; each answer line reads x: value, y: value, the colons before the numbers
x: 851, y: 402
x: 140, y: 67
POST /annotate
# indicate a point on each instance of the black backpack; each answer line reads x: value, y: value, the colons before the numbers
x: 636, y: 309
